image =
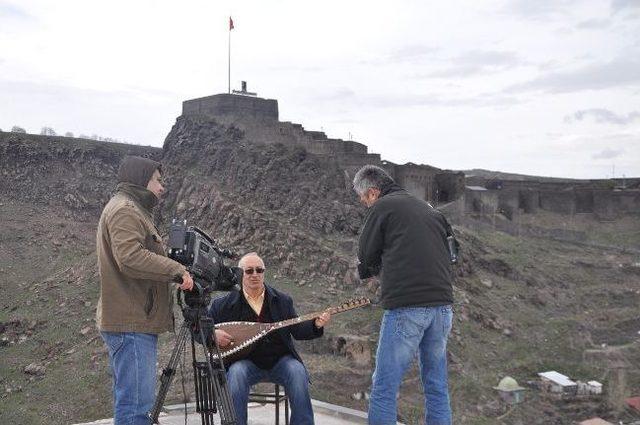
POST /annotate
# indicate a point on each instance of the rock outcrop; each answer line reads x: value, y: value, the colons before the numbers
x: 297, y: 210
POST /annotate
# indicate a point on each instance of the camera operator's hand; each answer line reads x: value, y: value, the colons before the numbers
x: 187, y: 282
x: 223, y: 338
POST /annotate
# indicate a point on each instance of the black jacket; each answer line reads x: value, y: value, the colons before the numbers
x: 403, y: 240
x: 229, y: 309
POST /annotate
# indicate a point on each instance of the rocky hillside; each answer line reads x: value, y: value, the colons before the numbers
x: 523, y: 305
x: 75, y: 174
x: 295, y: 209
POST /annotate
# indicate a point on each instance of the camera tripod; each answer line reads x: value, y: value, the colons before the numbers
x: 210, y: 380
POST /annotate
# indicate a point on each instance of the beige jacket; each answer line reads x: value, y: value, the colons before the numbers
x: 135, y: 274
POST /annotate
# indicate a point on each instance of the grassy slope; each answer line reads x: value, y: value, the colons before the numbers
x: 550, y: 295
x: 556, y: 299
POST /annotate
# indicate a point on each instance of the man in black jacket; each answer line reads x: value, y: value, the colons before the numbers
x: 274, y: 357
x: 403, y: 242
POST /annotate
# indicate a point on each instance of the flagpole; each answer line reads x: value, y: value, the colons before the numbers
x: 229, y: 61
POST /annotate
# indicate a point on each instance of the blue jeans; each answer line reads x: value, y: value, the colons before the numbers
x: 132, y: 357
x: 405, y: 332
x: 288, y: 372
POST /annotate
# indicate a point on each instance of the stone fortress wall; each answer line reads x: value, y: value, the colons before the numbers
x: 606, y: 199
x: 258, y: 118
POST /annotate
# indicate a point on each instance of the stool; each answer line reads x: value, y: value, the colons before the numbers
x: 273, y: 398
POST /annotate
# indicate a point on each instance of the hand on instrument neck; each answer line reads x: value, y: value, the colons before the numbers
x: 323, y: 319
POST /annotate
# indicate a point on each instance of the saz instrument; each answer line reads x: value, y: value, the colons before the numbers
x: 246, y: 333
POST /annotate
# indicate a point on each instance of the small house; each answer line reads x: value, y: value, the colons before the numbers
x: 509, y: 390
x: 594, y: 387
x: 558, y: 383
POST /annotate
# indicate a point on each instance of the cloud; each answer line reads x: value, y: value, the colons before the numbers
x: 295, y: 68
x: 543, y: 10
x: 602, y: 115
x: 339, y: 95
x: 435, y: 100
x: 412, y: 53
x: 621, y: 72
x: 618, y: 5
x: 608, y: 153
x: 477, y: 62
x: 10, y: 11
x: 594, y: 24
x: 67, y: 108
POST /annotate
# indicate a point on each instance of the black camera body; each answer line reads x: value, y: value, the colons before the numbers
x: 199, y: 253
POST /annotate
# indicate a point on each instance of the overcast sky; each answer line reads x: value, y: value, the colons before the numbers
x: 543, y: 87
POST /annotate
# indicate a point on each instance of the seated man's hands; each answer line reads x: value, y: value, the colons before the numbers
x: 322, y: 320
x: 187, y: 282
x: 223, y: 338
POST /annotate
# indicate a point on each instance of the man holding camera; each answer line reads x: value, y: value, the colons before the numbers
x: 404, y: 242
x: 135, y: 302
x: 273, y: 358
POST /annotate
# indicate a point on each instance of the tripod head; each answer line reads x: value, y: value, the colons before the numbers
x: 194, y: 312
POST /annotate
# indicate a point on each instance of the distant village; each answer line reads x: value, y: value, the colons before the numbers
x: 555, y: 384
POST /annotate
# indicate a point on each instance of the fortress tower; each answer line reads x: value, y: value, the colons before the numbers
x: 258, y: 118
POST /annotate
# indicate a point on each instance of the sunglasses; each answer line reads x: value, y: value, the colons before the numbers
x: 258, y: 270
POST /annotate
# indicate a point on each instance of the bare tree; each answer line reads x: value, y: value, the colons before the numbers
x: 47, y: 131
x: 68, y: 134
x: 17, y: 129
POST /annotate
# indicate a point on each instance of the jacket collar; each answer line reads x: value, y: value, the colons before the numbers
x: 389, y: 188
x: 269, y: 294
x: 140, y: 195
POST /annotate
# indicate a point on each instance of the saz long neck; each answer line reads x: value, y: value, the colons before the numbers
x: 349, y: 305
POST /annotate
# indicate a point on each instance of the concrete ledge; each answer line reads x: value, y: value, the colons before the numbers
x: 319, y: 407
x: 325, y: 413
x: 352, y: 415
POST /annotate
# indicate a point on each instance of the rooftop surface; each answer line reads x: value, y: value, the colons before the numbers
x: 325, y: 414
x: 558, y: 378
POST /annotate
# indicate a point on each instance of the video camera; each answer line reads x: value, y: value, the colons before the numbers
x: 199, y: 253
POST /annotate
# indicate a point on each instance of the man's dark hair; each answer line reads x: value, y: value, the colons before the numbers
x: 371, y: 176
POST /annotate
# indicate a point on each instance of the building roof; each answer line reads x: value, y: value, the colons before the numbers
x: 557, y: 378
x: 634, y: 403
x: 508, y: 384
x: 594, y: 383
x: 475, y: 188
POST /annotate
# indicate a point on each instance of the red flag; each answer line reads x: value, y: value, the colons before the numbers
x: 230, y: 23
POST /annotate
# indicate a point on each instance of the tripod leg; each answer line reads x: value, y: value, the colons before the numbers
x: 220, y: 388
x: 205, y: 396
x: 168, y: 373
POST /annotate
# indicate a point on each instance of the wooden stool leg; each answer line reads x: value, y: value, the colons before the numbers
x: 277, y: 390
x: 286, y: 410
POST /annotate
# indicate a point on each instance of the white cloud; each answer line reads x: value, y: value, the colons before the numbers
x: 608, y: 153
x: 620, y: 72
x: 458, y: 85
x: 602, y: 115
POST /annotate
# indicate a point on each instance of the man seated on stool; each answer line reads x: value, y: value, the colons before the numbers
x: 274, y: 357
